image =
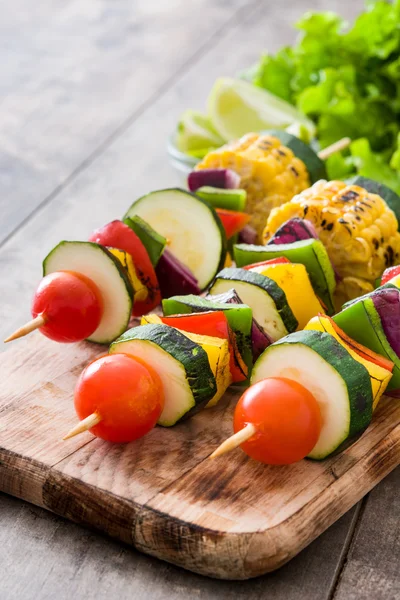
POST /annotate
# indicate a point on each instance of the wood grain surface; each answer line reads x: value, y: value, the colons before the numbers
x: 76, y: 73
x: 42, y: 556
x: 231, y: 518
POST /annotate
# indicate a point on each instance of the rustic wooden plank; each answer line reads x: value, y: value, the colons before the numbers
x: 372, y: 566
x: 75, y: 72
x: 231, y: 518
x: 304, y: 494
x: 43, y: 556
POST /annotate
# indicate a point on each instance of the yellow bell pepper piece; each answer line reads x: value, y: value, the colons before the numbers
x: 219, y: 358
x: 293, y: 279
x: 140, y: 290
x: 395, y: 281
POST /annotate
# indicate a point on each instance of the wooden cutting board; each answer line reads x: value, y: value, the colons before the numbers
x: 229, y: 518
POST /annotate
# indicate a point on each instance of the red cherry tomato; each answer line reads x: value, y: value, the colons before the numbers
x: 232, y: 221
x: 390, y: 273
x: 70, y: 303
x: 118, y: 235
x: 126, y: 393
x: 287, y: 418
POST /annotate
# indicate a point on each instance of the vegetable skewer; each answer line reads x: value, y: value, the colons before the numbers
x: 273, y: 168
x: 276, y: 421
x: 328, y: 366
x: 281, y: 423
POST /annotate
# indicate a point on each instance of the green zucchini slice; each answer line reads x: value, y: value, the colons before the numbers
x: 311, y: 253
x: 191, y: 226
x: 267, y: 300
x: 315, y: 166
x: 106, y: 271
x: 183, y: 366
x: 340, y: 384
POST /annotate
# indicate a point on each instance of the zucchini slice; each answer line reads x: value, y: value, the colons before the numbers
x: 340, y: 384
x: 151, y: 240
x: 183, y: 366
x: 311, y: 253
x: 267, y: 300
x: 191, y: 226
x: 218, y: 353
x: 97, y: 263
x: 239, y: 316
x: 315, y: 166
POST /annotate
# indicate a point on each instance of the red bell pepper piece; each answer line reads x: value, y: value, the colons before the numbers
x: 118, y: 235
x: 215, y: 324
x: 232, y: 221
x: 389, y: 274
x: 267, y: 263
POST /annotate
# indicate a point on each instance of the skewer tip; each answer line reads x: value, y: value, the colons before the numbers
x: 235, y: 440
x: 336, y: 147
x: 83, y: 426
x: 35, y: 323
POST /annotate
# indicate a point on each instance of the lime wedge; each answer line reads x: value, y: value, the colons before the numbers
x: 237, y: 107
x: 300, y: 131
x: 195, y: 132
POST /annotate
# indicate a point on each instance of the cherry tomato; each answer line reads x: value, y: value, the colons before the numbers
x: 232, y: 221
x: 125, y: 392
x: 389, y: 274
x: 287, y: 418
x: 71, y: 305
x: 118, y: 235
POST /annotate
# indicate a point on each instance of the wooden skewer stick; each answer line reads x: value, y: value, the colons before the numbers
x: 235, y: 440
x: 84, y: 425
x: 336, y: 147
x: 35, y: 323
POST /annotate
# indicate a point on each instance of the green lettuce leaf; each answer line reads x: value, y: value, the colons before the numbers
x: 347, y: 79
x: 373, y: 165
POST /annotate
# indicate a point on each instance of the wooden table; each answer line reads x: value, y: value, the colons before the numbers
x: 90, y: 92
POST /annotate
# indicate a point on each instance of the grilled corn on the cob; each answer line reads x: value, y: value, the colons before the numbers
x: 270, y: 173
x: 358, y: 229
